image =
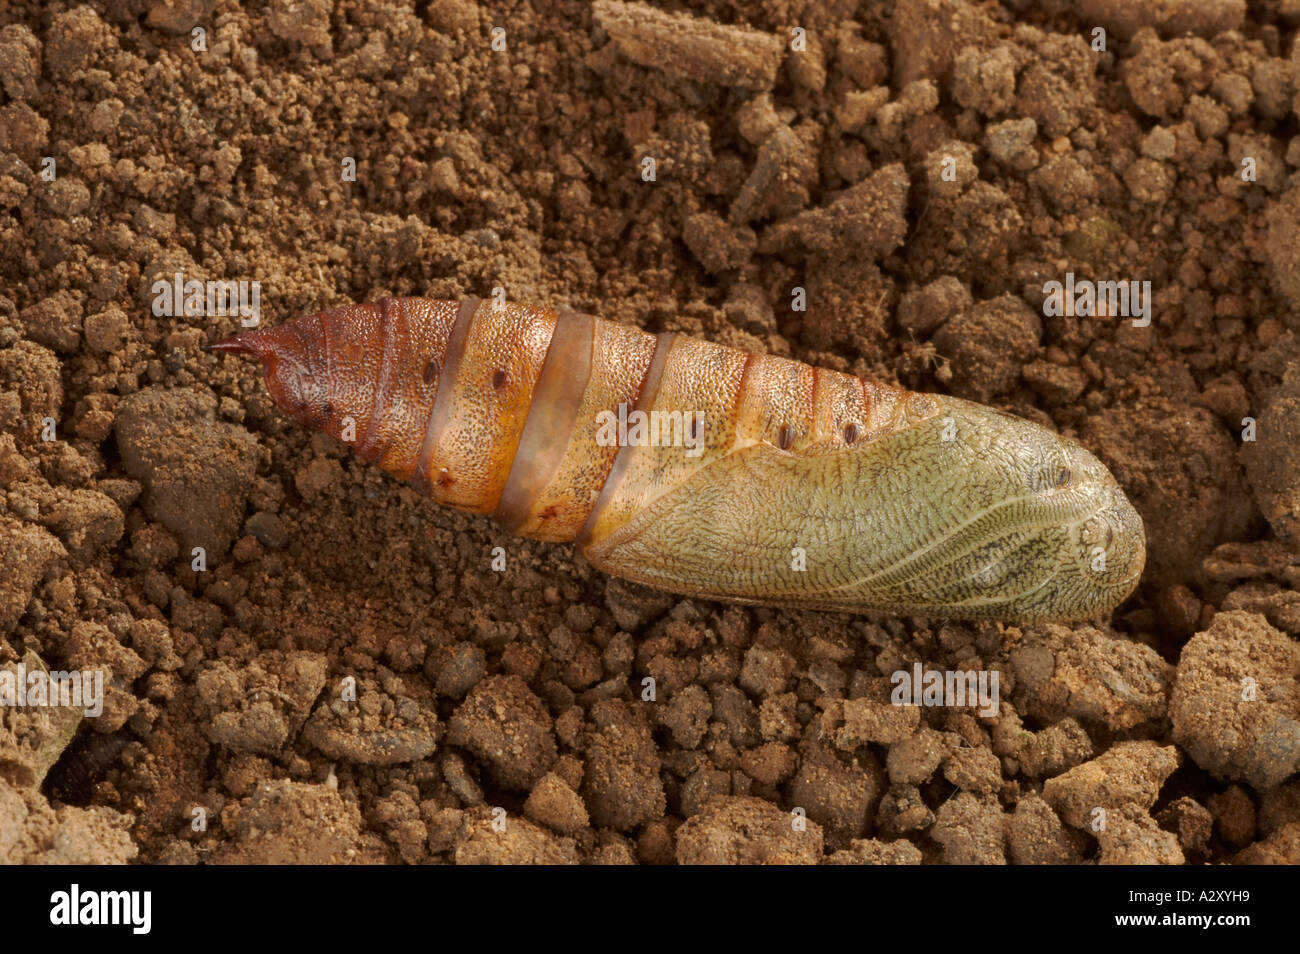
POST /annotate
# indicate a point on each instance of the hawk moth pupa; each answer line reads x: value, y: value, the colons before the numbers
x: 802, y: 487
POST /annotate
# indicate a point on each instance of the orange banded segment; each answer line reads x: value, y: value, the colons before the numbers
x: 483, y: 403
x: 619, y: 361
x: 697, y: 378
x: 842, y: 414
x: 558, y: 394
x: 775, y: 403
x: 415, y: 334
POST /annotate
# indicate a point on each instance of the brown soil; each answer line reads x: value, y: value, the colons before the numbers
x: 229, y: 731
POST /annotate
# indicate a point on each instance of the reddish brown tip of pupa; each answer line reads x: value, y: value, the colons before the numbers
x: 243, y: 343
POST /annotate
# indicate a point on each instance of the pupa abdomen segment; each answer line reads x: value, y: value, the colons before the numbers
x: 709, y: 471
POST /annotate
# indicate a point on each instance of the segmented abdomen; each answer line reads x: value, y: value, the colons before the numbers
x: 497, y: 408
